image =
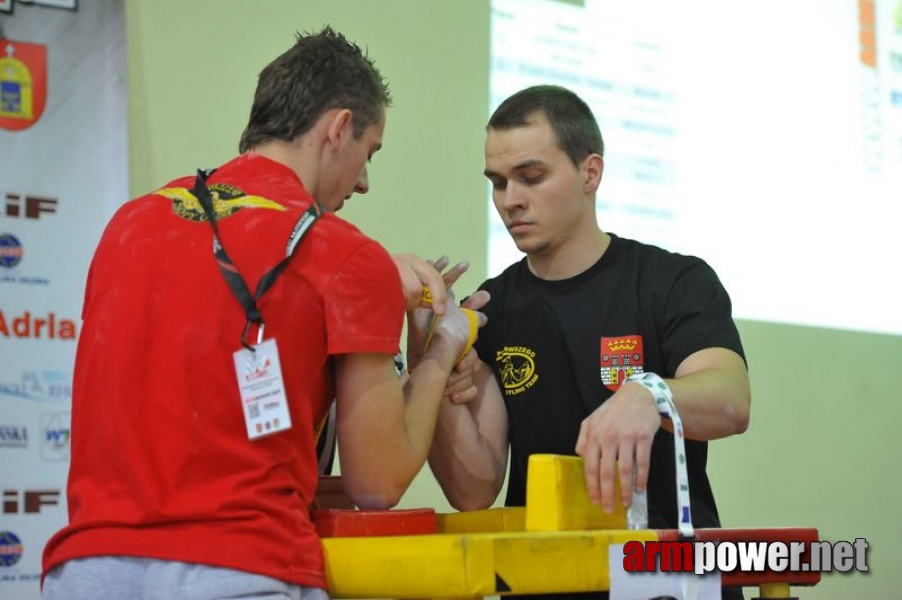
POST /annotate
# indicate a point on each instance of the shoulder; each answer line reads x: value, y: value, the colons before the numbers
x: 654, y: 263
x: 351, y: 253
x: 343, y: 234
x: 499, y: 284
x: 649, y: 253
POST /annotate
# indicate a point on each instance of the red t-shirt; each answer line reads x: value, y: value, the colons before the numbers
x: 161, y: 463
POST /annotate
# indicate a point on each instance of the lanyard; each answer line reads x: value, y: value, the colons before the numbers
x: 230, y: 271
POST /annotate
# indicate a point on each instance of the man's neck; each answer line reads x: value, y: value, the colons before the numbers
x: 298, y: 155
x: 576, y: 257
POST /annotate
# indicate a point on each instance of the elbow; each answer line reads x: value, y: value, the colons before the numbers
x: 376, y: 502
x: 742, y: 413
x: 741, y: 423
x: 468, y: 504
x: 476, y: 497
x: 374, y: 497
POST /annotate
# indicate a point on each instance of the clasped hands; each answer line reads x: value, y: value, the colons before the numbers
x: 439, y: 313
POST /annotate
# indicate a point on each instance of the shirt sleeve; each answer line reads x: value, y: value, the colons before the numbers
x: 697, y: 314
x: 364, y: 303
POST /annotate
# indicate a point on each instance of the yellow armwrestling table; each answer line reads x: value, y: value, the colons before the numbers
x: 558, y: 543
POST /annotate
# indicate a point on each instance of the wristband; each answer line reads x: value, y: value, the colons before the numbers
x: 664, y: 403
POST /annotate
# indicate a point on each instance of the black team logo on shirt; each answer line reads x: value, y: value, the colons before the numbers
x: 518, y: 369
x: 227, y: 200
x: 621, y: 357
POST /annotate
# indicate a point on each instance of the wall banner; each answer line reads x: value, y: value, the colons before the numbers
x: 63, y: 172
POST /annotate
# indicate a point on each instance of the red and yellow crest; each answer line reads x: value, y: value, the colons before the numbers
x: 621, y: 357
x: 23, y: 84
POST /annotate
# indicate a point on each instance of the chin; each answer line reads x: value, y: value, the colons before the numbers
x: 534, y: 249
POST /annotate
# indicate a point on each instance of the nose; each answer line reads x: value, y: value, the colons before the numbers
x: 363, y: 183
x: 510, y: 198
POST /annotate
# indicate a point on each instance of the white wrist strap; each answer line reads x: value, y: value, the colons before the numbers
x: 664, y: 402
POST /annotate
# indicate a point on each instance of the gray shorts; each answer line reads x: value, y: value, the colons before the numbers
x: 118, y: 577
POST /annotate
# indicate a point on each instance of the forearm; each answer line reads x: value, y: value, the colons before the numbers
x: 385, y: 428
x: 469, y: 449
x: 423, y: 392
x: 711, y: 394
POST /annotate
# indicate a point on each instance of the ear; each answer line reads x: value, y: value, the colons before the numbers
x: 592, y: 169
x: 340, y: 123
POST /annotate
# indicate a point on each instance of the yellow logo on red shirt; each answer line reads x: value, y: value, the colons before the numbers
x: 227, y: 200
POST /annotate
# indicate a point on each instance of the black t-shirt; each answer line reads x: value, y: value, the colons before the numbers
x: 561, y: 348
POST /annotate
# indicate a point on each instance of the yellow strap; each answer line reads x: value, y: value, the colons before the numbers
x: 474, y: 332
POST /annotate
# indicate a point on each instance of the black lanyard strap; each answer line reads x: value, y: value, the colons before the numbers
x: 230, y: 271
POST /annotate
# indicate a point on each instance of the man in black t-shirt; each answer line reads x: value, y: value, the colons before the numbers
x: 581, y: 329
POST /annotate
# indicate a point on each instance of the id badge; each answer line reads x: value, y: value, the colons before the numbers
x: 262, y: 389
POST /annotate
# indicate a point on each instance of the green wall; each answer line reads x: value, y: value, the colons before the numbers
x: 825, y: 403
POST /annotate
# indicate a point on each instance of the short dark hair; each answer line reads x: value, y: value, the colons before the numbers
x: 322, y: 71
x: 571, y: 119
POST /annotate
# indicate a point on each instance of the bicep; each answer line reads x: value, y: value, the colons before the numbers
x: 696, y: 316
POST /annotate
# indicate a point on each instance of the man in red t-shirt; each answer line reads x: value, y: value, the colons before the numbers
x: 222, y: 315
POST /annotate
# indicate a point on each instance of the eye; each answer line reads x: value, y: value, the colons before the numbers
x: 532, y: 177
x: 498, y: 184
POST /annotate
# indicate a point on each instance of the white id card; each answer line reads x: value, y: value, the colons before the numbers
x: 262, y: 390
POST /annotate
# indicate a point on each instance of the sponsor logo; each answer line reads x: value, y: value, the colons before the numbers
x: 19, y: 206
x: 227, y: 200
x: 257, y: 368
x: 517, y: 366
x: 10, y: 250
x: 620, y: 357
x: 10, y: 548
x: 39, y: 385
x: 56, y: 434
x: 29, y: 502
x: 11, y: 253
x: 13, y: 436
x: 45, y: 327
x: 23, y: 84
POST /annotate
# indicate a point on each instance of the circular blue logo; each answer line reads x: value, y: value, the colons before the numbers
x: 10, y: 250
x: 10, y: 548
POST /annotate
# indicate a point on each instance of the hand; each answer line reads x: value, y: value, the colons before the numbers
x: 420, y: 315
x: 455, y: 330
x: 619, y: 431
x: 450, y: 276
x: 461, y: 387
x: 417, y: 274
